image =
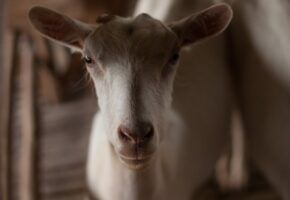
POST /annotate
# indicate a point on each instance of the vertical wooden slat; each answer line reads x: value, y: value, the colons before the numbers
x: 27, y: 167
x: 3, y: 136
x: 2, y: 156
x: 6, y: 70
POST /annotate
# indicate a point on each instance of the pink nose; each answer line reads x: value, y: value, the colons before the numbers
x: 141, y: 133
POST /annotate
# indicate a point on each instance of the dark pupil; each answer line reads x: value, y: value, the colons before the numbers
x: 88, y: 60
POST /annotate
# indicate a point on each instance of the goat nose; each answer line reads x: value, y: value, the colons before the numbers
x: 141, y: 133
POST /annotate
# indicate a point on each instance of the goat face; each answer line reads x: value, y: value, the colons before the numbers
x: 132, y: 62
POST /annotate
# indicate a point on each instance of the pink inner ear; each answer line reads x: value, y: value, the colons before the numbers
x: 52, y: 24
x: 211, y: 21
x: 54, y: 28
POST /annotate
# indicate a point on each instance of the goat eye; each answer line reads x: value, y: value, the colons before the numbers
x: 88, y: 60
x: 174, y: 59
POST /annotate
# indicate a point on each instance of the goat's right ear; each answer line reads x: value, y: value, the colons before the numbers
x: 60, y: 28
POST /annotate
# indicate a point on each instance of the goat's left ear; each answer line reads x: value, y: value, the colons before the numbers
x: 207, y: 23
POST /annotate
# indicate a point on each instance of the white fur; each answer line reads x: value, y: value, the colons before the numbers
x: 109, y: 179
x: 187, y: 151
x: 157, y: 9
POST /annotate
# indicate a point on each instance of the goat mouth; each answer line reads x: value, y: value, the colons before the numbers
x: 135, y: 162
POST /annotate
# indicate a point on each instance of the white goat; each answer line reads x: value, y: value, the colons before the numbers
x: 139, y: 148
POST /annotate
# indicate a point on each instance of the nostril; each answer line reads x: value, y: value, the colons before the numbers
x: 147, y: 132
x: 125, y: 134
x: 142, y: 132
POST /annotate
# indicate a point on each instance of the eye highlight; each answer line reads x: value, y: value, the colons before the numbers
x: 88, y: 60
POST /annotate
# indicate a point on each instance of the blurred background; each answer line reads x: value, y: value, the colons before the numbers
x: 47, y: 104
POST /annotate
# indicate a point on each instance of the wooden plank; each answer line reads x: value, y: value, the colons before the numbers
x: 27, y: 151
x: 66, y: 129
x: 3, y: 136
x: 6, y: 78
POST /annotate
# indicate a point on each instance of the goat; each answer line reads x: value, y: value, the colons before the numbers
x: 140, y: 147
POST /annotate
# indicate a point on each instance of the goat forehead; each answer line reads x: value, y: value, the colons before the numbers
x: 141, y: 38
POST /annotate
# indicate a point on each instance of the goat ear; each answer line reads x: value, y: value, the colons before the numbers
x: 207, y: 23
x: 60, y: 28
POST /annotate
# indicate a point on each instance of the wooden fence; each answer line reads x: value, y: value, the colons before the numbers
x: 35, y: 136
x: 31, y: 131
